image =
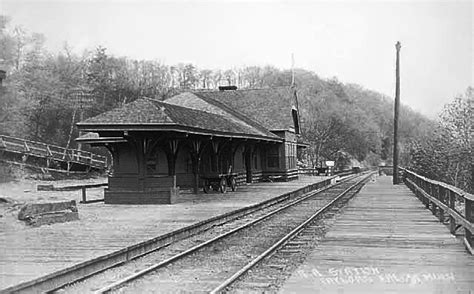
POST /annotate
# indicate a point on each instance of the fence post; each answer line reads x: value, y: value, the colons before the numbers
x: 417, y: 188
x: 452, y: 221
x: 469, y: 213
x: 26, y: 147
x: 84, y: 196
x: 49, y: 150
x: 422, y: 187
x: 435, y: 191
x: 441, y: 194
x: 425, y: 188
x: 431, y: 193
x: 419, y: 183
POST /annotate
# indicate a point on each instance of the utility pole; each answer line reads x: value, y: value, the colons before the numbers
x: 3, y: 75
x: 395, y: 117
x: 81, y: 99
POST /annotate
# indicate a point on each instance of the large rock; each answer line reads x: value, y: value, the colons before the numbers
x: 37, y: 214
x: 43, y: 187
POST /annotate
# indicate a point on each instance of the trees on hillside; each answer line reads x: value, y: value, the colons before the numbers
x: 40, y: 100
x: 447, y: 154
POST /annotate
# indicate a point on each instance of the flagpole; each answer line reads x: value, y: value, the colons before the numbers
x: 292, y: 69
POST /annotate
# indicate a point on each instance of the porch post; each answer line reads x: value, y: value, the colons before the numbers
x: 196, y: 158
x: 171, y: 155
x: 215, y: 148
x: 137, y: 143
x: 248, y: 163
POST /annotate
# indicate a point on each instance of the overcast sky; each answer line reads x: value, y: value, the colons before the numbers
x: 352, y: 40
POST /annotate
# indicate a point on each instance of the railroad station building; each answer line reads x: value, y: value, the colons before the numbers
x: 159, y: 147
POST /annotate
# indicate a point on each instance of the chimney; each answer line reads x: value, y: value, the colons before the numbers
x: 3, y: 75
x: 227, y: 88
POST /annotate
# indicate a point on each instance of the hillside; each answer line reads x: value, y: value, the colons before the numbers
x: 44, y: 95
x: 344, y: 121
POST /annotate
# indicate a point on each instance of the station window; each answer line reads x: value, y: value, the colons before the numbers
x: 189, y: 164
x: 273, y: 158
x: 151, y: 166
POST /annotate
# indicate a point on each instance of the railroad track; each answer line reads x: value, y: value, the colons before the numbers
x: 274, y: 266
x: 213, y: 260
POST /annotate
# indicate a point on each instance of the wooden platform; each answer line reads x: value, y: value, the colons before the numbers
x: 27, y: 253
x: 386, y: 242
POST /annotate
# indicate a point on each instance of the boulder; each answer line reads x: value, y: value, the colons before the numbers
x: 37, y: 214
x: 43, y: 187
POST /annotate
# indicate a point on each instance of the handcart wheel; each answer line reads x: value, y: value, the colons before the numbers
x: 206, y: 186
x: 233, y: 184
x: 223, y: 185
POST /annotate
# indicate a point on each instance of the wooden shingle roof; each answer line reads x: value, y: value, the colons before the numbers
x: 149, y: 114
x: 271, y: 108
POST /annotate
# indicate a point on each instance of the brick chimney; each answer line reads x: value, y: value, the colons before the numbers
x: 3, y: 75
x: 227, y: 88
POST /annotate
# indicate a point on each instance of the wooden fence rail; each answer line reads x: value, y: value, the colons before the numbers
x: 450, y: 204
x: 51, y: 152
x: 312, y: 171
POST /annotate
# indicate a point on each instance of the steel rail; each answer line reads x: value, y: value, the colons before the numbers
x: 277, y: 245
x: 128, y: 279
x: 89, y: 268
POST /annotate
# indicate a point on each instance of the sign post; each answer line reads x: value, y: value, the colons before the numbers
x: 330, y: 164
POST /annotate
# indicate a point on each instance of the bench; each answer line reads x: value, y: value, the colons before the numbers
x: 50, y: 187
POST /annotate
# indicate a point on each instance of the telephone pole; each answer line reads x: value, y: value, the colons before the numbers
x: 82, y: 99
x: 395, y: 117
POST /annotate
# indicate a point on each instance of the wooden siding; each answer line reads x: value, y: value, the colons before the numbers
x: 157, y: 196
x: 125, y: 159
x: 134, y: 183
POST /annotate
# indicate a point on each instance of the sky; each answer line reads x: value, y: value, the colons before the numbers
x: 353, y: 40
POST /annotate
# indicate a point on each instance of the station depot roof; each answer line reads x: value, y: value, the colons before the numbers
x: 152, y: 115
x: 265, y: 109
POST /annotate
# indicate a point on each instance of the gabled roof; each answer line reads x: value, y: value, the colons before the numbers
x: 149, y: 114
x: 193, y: 101
x: 270, y: 108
